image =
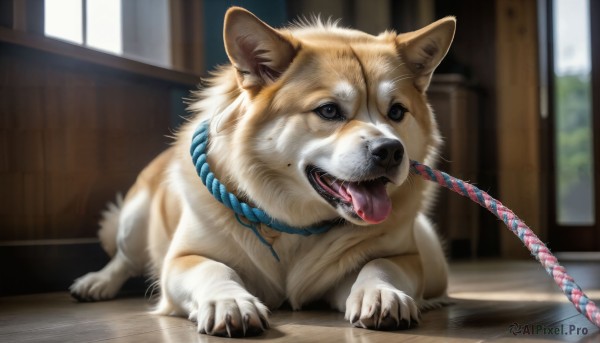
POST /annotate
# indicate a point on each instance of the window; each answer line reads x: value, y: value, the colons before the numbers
x: 103, y: 25
x: 63, y: 20
x: 573, y: 113
x: 137, y: 29
x: 573, y: 125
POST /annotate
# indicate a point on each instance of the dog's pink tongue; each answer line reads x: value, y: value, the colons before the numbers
x: 370, y: 200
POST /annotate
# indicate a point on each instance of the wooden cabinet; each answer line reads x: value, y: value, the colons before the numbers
x: 456, y: 109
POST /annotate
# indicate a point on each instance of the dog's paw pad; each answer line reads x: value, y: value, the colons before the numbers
x: 381, y: 308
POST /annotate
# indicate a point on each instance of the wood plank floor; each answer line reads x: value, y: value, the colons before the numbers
x: 489, y: 298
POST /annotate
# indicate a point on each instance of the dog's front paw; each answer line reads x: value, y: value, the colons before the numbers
x: 231, y: 316
x: 381, y: 307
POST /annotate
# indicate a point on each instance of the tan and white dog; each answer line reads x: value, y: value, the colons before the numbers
x: 312, y: 123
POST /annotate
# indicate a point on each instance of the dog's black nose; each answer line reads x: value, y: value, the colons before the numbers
x: 387, y: 152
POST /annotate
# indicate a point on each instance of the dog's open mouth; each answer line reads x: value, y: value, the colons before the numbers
x: 367, y: 200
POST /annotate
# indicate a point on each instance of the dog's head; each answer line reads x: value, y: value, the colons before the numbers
x: 322, y: 120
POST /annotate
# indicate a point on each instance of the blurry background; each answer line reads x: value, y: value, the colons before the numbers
x: 90, y: 90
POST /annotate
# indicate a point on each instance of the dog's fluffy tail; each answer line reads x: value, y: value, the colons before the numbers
x: 109, y: 225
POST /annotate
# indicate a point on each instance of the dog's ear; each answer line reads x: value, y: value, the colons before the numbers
x: 424, y: 49
x: 258, y: 52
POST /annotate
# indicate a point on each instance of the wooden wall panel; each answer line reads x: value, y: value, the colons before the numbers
x: 76, y: 126
x: 518, y: 122
x: 72, y: 134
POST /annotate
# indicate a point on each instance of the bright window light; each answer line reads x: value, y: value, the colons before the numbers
x: 63, y: 20
x: 138, y: 29
x: 104, y: 25
x: 574, y: 136
x: 572, y: 32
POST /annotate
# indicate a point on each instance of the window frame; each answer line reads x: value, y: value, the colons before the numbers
x: 22, y: 23
x: 568, y: 237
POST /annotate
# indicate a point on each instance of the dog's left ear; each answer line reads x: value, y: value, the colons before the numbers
x: 258, y: 52
x: 424, y: 49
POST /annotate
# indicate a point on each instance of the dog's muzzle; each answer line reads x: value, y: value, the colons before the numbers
x: 363, y: 195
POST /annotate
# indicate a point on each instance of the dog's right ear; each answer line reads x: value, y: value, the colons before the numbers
x: 258, y: 52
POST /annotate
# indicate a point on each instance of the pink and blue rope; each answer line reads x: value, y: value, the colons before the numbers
x: 538, y: 249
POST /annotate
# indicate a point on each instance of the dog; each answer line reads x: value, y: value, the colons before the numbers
x: 314, y: 125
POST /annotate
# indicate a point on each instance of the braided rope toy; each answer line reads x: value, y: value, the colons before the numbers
x: 257, y: 216
x: 538, y: 249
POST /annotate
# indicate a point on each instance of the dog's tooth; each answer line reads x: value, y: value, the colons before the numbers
x: 344, y: 193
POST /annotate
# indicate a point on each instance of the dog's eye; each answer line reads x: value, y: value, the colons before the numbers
x: 396, y: 112
x: 329, y: 112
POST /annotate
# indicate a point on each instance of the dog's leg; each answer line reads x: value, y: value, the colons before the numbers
x: 103, y: 284
x: 433, y: 259
x: 383, y: 295
x: 130, y: 258
x: 213, y: 295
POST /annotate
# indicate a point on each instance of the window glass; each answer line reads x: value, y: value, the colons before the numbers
x: 573, y: 113
x: 136, y: 29
x: 63, y: 20
x: 104, y: 25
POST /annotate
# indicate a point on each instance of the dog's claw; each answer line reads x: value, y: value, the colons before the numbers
x: 242, y: 316
x: 382, y: 308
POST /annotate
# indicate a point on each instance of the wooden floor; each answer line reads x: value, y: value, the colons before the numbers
x: 494, y: 302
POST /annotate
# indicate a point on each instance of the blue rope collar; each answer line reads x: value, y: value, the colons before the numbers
x: 255, y: 216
